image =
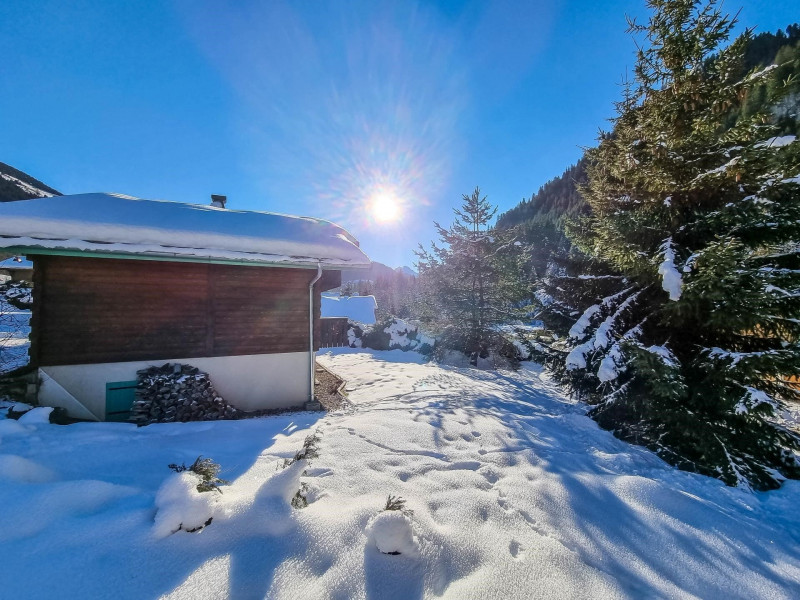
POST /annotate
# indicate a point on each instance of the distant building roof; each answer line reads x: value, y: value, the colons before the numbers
x: 355, y: 308
x: 117, y: 224
x: 15, y: 263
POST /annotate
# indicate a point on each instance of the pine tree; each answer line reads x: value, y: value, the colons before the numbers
x: 693, y: 355
x: 474, y: 280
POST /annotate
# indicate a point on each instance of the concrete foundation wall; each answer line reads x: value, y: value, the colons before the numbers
x: 252, y: 382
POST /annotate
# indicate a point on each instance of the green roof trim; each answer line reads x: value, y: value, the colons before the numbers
x: 33, y: 251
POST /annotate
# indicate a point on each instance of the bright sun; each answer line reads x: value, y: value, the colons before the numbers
x: 384, y: 206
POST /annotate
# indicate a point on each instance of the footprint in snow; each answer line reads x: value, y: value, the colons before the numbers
x: 516, y: 549
x: 464, y: 465
x: 490, y: 476
x: 501, y: 500
x: 318, y: 472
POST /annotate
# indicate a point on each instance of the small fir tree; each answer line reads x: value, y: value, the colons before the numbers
x: 207, y: 470
x: 692, y: 354
x: 474, y: 280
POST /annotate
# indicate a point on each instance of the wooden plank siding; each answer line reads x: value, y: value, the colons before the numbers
x: 97, y: 310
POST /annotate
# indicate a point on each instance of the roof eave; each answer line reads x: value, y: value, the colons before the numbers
x: 327, y: 264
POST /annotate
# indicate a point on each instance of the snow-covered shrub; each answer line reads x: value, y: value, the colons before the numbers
x: 392, y: 531
x: 309, y: 450
x: 183, y: 501
x: 180, y: 506
x: 18, y: 294
x: 39, y: 415
x: 376, y: 337
x: 207, y: 470
x: 497, y: 350
x: 300, y: 499
x: 390, y: 334
x: 14, y: 409
x: 355, y: 335
x: 396, y: 503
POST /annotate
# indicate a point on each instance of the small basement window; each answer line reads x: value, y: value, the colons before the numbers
x: 119, y: 399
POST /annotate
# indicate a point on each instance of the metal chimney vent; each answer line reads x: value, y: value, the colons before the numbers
x: 218, y: 201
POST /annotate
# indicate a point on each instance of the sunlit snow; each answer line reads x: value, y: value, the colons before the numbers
x: 513, y: 493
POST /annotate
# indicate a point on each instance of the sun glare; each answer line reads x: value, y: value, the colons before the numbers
x: 384, y: 206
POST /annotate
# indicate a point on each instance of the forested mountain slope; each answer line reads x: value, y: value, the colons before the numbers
x: 541, y: 218
x: 16, y: 185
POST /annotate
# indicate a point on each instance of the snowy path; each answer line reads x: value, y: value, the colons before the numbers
x: 515, y: 493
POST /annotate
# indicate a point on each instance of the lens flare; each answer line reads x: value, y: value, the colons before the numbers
x: 384, y: 206
x: 356, y: 120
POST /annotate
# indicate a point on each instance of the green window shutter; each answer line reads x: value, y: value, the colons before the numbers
x: 119, y: 399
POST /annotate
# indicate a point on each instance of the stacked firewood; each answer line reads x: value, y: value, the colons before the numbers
x: 175, y: 392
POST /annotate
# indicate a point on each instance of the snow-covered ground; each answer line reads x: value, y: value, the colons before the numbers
x: 515, y: 493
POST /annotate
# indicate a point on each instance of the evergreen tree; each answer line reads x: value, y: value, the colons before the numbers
x: 692, y: 353
x: 474, y: 280
x: 542, y: 219
x: 394, y: 295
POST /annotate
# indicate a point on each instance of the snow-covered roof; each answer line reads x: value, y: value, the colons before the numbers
x: 355, y: 308
x: 118, y: 224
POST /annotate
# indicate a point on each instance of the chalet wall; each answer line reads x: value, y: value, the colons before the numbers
x: 254, y: 382
x: 95, y: 311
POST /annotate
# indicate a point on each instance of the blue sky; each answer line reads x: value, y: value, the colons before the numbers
x: 315, y: 108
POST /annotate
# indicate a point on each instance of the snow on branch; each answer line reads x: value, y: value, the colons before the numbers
x: 777, y: 142
x: 671, y: 280
x: 576, y: 359
x: 602, y: 336
x: 609, y: 367
x: 612, y: 364
x: 578, y: 330
x: 752, y: 399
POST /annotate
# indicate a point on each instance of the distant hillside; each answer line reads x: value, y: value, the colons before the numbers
x: 540, y: 220
x: 764, y: 47
x: 404, y: 270
x: 555, y: 201
x: 16, y: 185
x: 377, y: 270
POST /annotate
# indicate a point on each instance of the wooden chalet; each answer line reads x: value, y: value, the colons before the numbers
x: 122, y: 283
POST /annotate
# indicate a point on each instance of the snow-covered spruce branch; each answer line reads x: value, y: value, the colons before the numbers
x: 671, y: 280
x: 578, y: 330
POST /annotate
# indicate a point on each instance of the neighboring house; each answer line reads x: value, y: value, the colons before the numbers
x: 355, y: 308
x: 122, y: 283
x: 17, y: 268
